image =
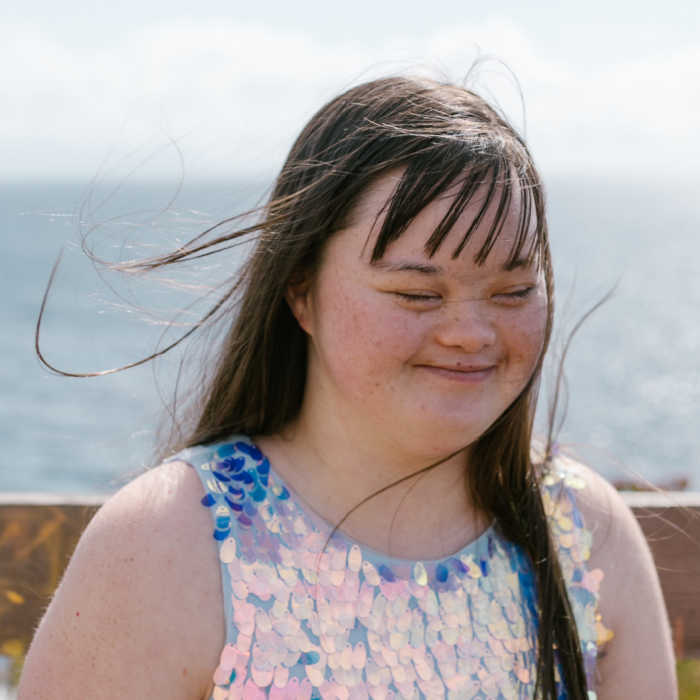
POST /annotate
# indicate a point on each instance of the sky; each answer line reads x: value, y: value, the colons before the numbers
x: 210, y: 90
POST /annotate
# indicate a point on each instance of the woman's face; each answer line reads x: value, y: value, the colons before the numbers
x: 419, y: 353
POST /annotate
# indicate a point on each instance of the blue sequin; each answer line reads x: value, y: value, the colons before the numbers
x: 459, y: 566
x: 309, y: 657
x: 583, y: 596
x: 251, y: 450
x: 527, y: 587
x: 386, y: 573
x: 222, y: 534
x: 208, y: 500
x: 484, y: 567
x: 441, y: 573
x: 258, y: 494
x: 225, y: 450
x: 221, y: 476
x: 234, y: 464
x: 234, y: 506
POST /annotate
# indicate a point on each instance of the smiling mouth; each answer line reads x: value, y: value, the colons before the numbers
x: 466, y: 374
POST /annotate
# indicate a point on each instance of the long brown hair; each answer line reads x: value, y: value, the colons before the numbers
x: 442, y: 137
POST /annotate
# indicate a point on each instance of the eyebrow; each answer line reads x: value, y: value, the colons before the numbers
x: 425, y: 268
x: 429, y: 269
x: 517, y: 263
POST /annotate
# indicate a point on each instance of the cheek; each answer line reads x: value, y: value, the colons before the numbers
x: 526, y: 338
x: 362, y: 337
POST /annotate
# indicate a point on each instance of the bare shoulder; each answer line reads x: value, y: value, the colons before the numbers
x: 602, y: 508
x: 164, y: 500
x: 638, y: 660
x: 142, y: 592
x: 617, y: 542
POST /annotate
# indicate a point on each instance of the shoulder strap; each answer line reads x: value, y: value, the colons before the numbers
x: 206, y: 460
x: 562, y: 485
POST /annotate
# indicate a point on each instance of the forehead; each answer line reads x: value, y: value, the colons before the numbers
x: 494, y: 223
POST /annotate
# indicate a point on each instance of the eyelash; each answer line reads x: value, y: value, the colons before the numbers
x: 417, y: 297
x: 422, y: 298
x: 518, y: 293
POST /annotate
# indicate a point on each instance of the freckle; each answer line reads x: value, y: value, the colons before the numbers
x: 77, y: 613
x: 184, y: 671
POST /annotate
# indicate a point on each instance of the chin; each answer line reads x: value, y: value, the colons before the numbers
x: 445, y: 437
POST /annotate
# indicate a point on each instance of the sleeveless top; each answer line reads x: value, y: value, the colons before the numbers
x: 308, y: 617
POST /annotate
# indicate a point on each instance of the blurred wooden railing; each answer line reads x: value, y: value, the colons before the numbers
x: 671, y: 523
x: 38, y: 534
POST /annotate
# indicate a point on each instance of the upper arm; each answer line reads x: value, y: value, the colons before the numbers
x: 638, y: 661
x: 137, y: 614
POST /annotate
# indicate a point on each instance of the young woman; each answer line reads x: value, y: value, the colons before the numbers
x: 362, y: 453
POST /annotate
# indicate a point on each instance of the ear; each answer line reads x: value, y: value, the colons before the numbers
x: 298, y: 297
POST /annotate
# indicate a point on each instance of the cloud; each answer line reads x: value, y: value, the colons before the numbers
x: 233, y: 95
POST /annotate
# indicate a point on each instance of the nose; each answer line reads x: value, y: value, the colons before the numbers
x: 466, y: 325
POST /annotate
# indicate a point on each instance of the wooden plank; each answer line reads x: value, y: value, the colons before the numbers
x: 30, y: 498
x: 671, y: 525
x: 36, y: 541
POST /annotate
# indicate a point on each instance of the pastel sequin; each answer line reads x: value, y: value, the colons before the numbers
x: 306, y: 619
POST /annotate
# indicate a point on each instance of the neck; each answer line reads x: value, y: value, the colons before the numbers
x: 413, y: 506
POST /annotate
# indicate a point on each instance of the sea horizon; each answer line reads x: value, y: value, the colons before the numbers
x: 632, y: 373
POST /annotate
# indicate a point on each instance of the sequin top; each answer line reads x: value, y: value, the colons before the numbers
x: 309, y: 619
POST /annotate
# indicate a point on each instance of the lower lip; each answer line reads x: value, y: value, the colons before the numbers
x: 473, y: 377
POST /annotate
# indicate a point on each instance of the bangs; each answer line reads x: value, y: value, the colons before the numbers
x: 421, y: 183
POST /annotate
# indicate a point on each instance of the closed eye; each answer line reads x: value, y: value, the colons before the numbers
x: 417, y: 297
x: 515, y: 295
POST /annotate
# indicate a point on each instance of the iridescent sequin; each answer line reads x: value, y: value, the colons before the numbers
x: 311, y: 620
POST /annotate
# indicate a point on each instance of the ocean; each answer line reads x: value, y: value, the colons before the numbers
x: 633, y: 373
